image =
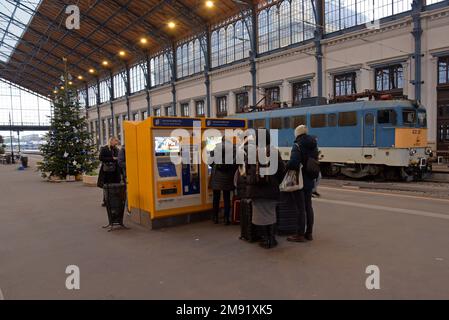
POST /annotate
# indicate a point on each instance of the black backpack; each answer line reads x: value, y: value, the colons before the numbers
x: 311, y: 165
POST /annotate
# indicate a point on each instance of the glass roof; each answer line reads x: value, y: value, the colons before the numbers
x: 15, y: 15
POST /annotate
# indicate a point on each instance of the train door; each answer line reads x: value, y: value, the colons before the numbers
x: 443, y: 122
x: 369, y: 129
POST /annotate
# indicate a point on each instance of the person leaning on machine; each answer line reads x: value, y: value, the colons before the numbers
x: 305, y: 152
x: 109, y: 170
x: 222, y: 180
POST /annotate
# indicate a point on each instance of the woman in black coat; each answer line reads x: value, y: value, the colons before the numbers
x: 222, y: 180
x: 305, y: 147
x: 108, y: 157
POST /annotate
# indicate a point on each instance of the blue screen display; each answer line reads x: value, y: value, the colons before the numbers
x: 166, y: 169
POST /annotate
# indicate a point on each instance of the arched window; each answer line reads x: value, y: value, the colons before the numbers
x: 197, y: 53
x: 222, y: 47
x: 191, y: 55
x: 230, y: 44
x: 273, y: 27
x: 297, y: 21
x: 263, y: 31
x: 179, y: 61
x: 153, y: 73
x: 214, y: 48
x: 239, y: 40
x: 157, y: 72
x: 246, y: 36
x: 185, y: 60
x: 285, y: 24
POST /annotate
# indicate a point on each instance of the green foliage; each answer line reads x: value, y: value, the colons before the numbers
x: 69, y: 148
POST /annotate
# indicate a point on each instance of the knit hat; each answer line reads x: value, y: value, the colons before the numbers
x: 300, y: 130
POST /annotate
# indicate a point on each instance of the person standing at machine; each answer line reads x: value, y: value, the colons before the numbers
x: 222, y: 179
x: 109, y: 169
x: 305, y: 152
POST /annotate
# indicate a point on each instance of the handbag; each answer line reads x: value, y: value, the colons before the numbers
x: 293, y: 181
x: 109, y: 167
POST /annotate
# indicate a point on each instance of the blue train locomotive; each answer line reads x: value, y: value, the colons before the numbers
x: 357, y: 139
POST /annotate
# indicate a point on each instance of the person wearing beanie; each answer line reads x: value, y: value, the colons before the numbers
x: 304, y: 147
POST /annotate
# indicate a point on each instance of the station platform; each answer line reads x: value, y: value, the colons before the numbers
x: 44, y: 227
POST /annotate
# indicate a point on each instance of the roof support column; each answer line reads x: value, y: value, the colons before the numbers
x: 205, y: 47
x: 126, y: 79
x: 97, y: 93
x: 319, y: 31
x: 173, y: 78
x: 111, y: 99
x: 417, y: 8
x: 148, y: 84
x: 253, y: 54
x: 86, y: 99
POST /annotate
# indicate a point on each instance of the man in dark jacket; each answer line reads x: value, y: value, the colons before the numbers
x: 222, y: 179
x: 305, y: 147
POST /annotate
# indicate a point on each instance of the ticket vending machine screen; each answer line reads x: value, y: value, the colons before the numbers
x: 166, y: 169
x: 163, y: 145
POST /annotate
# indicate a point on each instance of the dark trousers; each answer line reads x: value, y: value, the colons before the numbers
x: 303, y: 202
x: 227, y: 203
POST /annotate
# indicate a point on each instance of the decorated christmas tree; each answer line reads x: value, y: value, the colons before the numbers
x: 69, y: 149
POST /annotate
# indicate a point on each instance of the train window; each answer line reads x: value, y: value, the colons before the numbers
x: 332, y: 120
x: 409, y: 117
x: 387, y: 116
x: 369, y: 119
x: 318, y: 120
x: 276, y: 123
x: 250, y: 123
x: 259, y: 123
x: 286, y: 123
x: 347, y: 119
x: 297, y: 121
x: 422, y: 119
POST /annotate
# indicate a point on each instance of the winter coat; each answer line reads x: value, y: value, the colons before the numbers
x: 252, y: 186
x: 305, y: 147
x: 107, y: 156
x: 222, y: 176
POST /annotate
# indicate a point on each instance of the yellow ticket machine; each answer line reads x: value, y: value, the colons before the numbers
x: 167, y: 177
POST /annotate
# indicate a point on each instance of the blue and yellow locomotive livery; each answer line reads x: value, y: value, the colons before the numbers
x: 357, y: 139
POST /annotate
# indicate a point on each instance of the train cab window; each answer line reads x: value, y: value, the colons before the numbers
x: 409, y: 117
x: 276, y: 123
x: 318, y: 120
x: 297, y: 121
x: 332, y: 120
x: 369, y: 119
x: 422, y: 119
x: 347, y: 119
x: 387, y: 116
x: 259, y: 123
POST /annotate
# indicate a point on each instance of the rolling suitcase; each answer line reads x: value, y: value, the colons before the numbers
x: 286, y: 215
x: 236, y: 210
x: 248, y: 231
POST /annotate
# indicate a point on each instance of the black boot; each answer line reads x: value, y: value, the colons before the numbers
x: 269, y: 240
x: 215, y: 218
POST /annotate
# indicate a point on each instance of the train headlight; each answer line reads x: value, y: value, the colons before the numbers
x: 412, y: 152
x: 429, y: 152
